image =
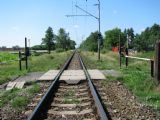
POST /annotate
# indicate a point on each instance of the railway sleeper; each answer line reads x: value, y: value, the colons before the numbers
x: 71, y: 99
x: 84, y: 94
x: 83, y: 112
x: 71, y: 105
x: 78, y: 90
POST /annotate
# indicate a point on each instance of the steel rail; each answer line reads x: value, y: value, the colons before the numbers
x: 46, y: 98
x: 101, y: 109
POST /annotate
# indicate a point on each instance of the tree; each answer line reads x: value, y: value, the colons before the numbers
x: 90, y: 43
x: 39, y: 47
x: 49, y: 39
x: 147, y: 39
x: 111, y: 38
x: 63, y: 40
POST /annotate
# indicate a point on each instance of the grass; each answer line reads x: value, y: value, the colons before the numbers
x: 6, y: 56
x: 69, y: 97
x: 34, y: 89
x: 108, y: 60
x: 36, y: 63
x: 136, y: 76
x: 18, y: 98
x: 19, y: 102
x: 6, y: 96
x: 71, y: 101
x: 69, y: 93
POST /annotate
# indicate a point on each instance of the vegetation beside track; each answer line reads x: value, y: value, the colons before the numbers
x: 36, y: 63
x: 18, y: 98
x: 6, y: 56
x: 136, y: 77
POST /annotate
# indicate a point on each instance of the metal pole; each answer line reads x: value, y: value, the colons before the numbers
x: 99, y: 30
x: 26, y: 53
x: 20, y: 65
x: 120, y: 58
x: 99, y: 23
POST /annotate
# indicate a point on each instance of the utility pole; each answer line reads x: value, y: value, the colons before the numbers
x: 26, y: 56
x: 99, y: 36
x: 99, y: 23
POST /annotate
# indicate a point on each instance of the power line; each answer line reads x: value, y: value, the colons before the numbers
x: 98, y: 18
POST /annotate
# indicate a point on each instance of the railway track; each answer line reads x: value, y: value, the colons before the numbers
x: 65, y: 101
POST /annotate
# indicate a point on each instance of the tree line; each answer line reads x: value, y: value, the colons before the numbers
x: 51, y: 41
x: 145, y: 41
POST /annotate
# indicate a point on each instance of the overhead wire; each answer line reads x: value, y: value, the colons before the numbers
x: 76, y: 25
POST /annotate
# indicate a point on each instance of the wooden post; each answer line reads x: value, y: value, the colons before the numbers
x: 152, y: 68
x: 157, y: 63
x: 20, y: 64
x: 126, y: 57
x: 26, y: 53
x: 120, y: 52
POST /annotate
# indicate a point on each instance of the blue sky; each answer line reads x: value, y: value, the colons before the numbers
x: 31, y: 18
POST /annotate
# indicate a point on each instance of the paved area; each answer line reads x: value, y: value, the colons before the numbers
x: 50, y: 75
x: 69, y: 76
x: 19, y: 82
x: 72, y: 76
x: 96, y: 75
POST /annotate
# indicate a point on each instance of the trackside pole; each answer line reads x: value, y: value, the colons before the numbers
x: 120, y: 52
x: 157, y: 63
x: 152, y: 68
x: 126, y: 57
x: 26, y: 56
x: 20, y: 61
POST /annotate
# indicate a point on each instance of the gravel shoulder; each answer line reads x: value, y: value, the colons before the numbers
x: 122, y: 104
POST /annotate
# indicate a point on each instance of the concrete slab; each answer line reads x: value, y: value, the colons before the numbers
x: 20, y: 81
x: 72, y: 76
x: 50, y: 75
x: 20, y: 84
x: 10, y: 85
x: 96, y: 75
x: 73, y: 72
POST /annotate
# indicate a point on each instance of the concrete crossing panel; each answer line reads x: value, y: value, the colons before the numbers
x: 96, y: 75
x: 72, y: 76
x: 50, y: 75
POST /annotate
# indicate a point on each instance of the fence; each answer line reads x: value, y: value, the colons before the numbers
x: 154, y: 63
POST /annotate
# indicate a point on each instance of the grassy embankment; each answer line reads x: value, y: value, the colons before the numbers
x: 36, y: 63
x: 19, y: 98
x: 136, y: 77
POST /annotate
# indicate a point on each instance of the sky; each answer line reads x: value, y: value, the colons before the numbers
x: 31, y: 18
